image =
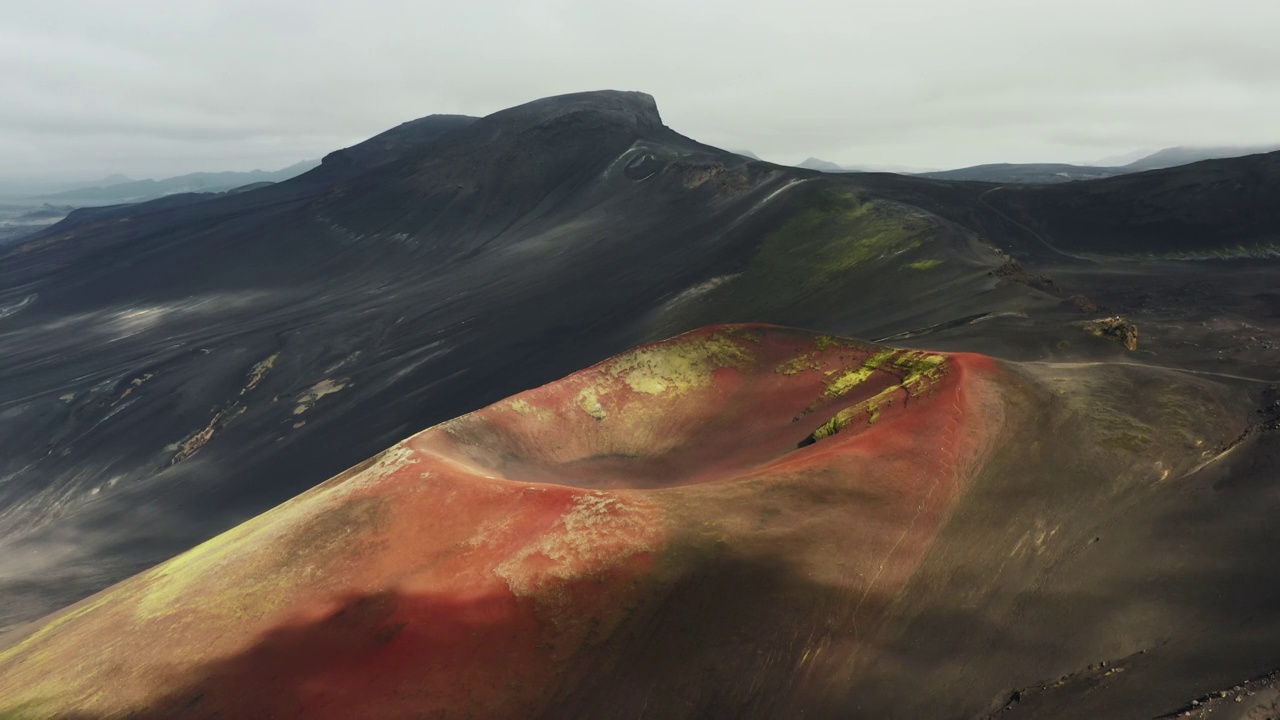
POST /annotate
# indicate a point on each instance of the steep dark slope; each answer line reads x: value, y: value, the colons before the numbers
x: 391, y: 145
x: 1211, y: 208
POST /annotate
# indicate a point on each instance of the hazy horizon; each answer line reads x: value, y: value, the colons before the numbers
x: 151, y: 90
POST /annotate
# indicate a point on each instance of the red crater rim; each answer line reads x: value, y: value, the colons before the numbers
x: 707, y: 406
x: 485, y: 566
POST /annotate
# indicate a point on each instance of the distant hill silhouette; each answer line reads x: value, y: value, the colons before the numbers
x: 1048, y: 173
x: 1037, y: 173
x: 1174, y: 156
x: 821, y: 165
x: 119, y: 189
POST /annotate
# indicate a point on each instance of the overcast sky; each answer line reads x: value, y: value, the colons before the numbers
x: 161, y: 87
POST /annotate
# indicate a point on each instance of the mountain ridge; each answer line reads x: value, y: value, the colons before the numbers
x: 1187, y: 154
x: 1045, y: 173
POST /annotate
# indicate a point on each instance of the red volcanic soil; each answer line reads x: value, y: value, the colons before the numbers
x: 609, y: 527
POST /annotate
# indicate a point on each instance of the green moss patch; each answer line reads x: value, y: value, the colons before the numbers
x: 922, y: 265
x: 837, y: 235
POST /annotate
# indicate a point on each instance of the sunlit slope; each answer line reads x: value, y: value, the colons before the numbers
x: 745, y: 519
x: 483, y: 566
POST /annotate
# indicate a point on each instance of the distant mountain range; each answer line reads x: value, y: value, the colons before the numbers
x: 118, y: 189
x: 1175, y: 156
x: 814, y: 163
x: 1118, y: 160
x: 18, y: 221
x: 1047, y: 173
x: 17, y: 188
x: 1028, y: 173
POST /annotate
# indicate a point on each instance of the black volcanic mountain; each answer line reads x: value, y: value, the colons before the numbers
x: 1211, y: 209
x: 216, y: 356
x: 176, y: 367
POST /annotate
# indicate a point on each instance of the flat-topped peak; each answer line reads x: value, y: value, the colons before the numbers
x: 633, y: 109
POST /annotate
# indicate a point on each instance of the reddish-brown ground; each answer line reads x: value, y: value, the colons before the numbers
x: 499, y: 564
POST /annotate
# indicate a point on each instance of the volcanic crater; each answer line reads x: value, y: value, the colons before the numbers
x: 544, y: 524
x: 711, y: 406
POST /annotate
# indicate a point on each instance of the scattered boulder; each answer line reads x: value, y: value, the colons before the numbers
x: 1012, y: 270
x: 1084, y: 304
x: 1270, y: 410
x: 1115, y: 327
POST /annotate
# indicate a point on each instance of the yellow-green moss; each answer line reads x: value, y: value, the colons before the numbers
x: 920, y: 367
x: 169, y: 581
x: 1132, y: 442
x: 870, y: 408
x: 920, y: 370
x: 31, y: 640
x: 798, y: 364
x: 835, y: 234
x: 589, y: 401
x: 30, y: 710
x: 522, y: 407
x: 846, y: 381
x: 823, y: 342
x: 744, y: 333
x: 928, y: 264
x: 674, y: 367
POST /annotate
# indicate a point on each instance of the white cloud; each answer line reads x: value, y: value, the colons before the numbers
x: 150, y: 87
